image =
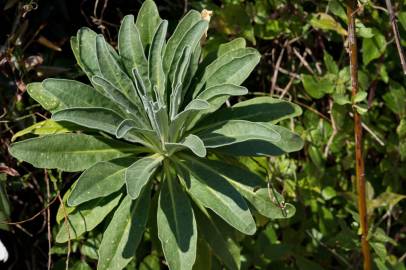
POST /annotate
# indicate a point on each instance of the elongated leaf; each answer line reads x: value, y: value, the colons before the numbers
x: 216, y: 96
x: 155, y: 68
x: 180, y: 119
x: 266, y: 201
x: 190, y: 19
x: 113, y: 73
x: 121, y: 100
x: 100, y: 180
x: 129, y: 125
x: 176, y: 226
x: 261, y: 109
x: 45, y: 127
x: 236, y: 131
x: 58, y: 94
x: 87, y: 51
x: 191, y: 38
x: 98, y: 118
x: 238, y: 43
x: 191, y: 142
x: 131, y: 50
x: 124, y: 233
x: 214, y: 92
x: 290, y: 142
x: 215, y: 238
x: 70, y: 152
x: 214, y: 192
x: 147, y: 21
x: 238, y: 62
x: 139, y: 173
x: 86, y: 217
x: 177, y: 85
x: 234, y: 72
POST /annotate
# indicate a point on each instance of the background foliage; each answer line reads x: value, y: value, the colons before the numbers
x: 304, y: 59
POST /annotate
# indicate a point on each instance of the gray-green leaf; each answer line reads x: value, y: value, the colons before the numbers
x: 139, y: 173
x: 191, y: 142
x: 214, y: 192
x: 86, y: 217
x: 98, y: 118
x: 147, y: 21
x: 70, y: 152
x: 100, y: 180
x: 124, y: 233
x: 237, y: 131
x: 176, y: 226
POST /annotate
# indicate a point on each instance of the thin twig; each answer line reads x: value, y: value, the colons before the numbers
x: 33, y: 217
x: 335, y: 253
x: 334, y: 126
x: 291, y: 74
x: 303, y: 61
x: 359, y: 164
x: 370, y: 131
x: 48, y: 221
x: 276, y: 70
x: 68, y: 230
x: 395, y: 30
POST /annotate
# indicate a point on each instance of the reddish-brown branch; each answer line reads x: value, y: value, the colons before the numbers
x: 360, y: 169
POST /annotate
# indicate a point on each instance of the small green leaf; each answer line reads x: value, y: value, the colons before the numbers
x: 361, y: 108
x: 139, y: 173
x: 317, y: 87
x: 402, y: 19
x: 70, y: 152
x: 330, y: 63
x: 341, y: 99
x: 328, y: 193
x: 176, y: 226
x: 326, y: 22
x: 360, y: 96
x: 124, y: 233
x: 373, y: 48
x: 100, y: 180
x: 86, y: 217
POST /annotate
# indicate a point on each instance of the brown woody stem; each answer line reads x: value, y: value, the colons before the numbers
x: 360, y: 169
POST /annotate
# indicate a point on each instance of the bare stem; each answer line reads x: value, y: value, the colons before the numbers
x: 360, y: 169
x: 395, y: 30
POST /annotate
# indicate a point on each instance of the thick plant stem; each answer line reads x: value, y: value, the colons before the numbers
x: 360, y: 169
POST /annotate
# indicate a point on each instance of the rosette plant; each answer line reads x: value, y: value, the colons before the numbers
x: 159, y: 148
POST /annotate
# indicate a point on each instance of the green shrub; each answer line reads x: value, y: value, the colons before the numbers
x: 155, y: 141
